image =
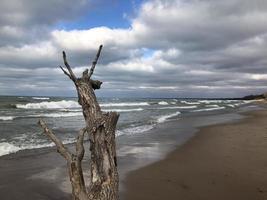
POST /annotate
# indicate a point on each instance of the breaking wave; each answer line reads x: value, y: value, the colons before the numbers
x: 124, y: 104
x: 190, y: 103
x: 7, y: 118
x: 163, y: 103
x: 49, y: 105
x: 208, y: 109
x: 163, y: 118
x: 213, y: 106
x: 41, y: 98
x: 178, y: 107
x: 55, y: 115
x: 134, y: 130
x: 231, y: 105
x: 6, y: 148
x: 123, y: 110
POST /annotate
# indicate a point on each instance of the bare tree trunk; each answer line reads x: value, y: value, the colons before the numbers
x: 100, y: 126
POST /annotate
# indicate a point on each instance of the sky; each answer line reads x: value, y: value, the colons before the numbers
x: 152, y: 48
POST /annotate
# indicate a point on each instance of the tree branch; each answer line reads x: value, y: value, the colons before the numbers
x: 60, y: 146
x: 72, y: 75
x: 65, y: 72
x: 79, y: 144
x: 95, y: 61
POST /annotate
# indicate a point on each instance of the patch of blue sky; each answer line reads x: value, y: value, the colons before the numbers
x: 108, y: 13
x: 148, y: 53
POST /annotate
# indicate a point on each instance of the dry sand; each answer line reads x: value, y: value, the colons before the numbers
x: 222, y: 162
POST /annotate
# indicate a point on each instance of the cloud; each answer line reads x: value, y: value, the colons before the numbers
x: 30, y: 12
x: 27, y: 21
x: 172, y: 48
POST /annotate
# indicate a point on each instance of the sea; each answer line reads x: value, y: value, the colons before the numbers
x: 19, y: 116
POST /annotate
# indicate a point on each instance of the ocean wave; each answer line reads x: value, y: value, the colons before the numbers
x: 124, y: 104
x: 64, y: 104
x: 231, y: 105
x: 163, y: 103
x: 178, y: 107
x: 70, y: 110
x: 219, y: 101
x: 190, y: 103
x: 123, y: 110
x: 134, y: 130
x: 231, y: 101
x: 213, y: 106
x: 41, y: 98
x: 49, y: 105
x: 7, y: 148
x: 56, y: 115
x: 208, y: 109
x: 163, y: 118
x: 7, y: 118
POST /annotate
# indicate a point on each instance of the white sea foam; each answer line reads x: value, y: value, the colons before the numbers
x: 71, y: 110
x: 213, y: 106
x: 190, y: 103
x: 34, y: 144
x: 217, y: 101
x: 243, y: 103
x: 50, y: 105
x: 231, y: 105
x: 163, y: 103
x: 178, y: 107
x: 41, y: 98
x: 55, y: 115
x: 232, y: 101
x: 123, y: 110
x: 124, y: 104
x: 7, y: 148
x: 7, y: 118
x: 64, y: 104
x: 208, y: 109
x: 134, y: 130
x: 163, y: 118
x: 210, y: 101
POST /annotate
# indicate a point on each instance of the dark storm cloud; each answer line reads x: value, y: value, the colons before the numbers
x: 25, y: 21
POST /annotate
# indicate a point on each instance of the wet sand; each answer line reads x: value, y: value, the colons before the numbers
x: 222, y: 162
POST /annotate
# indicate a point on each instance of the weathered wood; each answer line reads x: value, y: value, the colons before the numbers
x: 60, y: 146
x: 100, y: 126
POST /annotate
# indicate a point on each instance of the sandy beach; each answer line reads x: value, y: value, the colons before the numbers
x: 222, y: 162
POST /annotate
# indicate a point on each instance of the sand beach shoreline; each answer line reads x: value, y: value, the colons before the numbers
x: 226, y: 161
x: 41, y: 173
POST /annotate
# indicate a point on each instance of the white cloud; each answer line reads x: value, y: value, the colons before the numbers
x: 90, y: 39
x: 206, y: 45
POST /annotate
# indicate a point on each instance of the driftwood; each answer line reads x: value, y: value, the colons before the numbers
x: 100, y: 126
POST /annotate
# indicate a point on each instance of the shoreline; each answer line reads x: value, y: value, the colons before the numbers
x: 222, y: 161
x: 42, y: 174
